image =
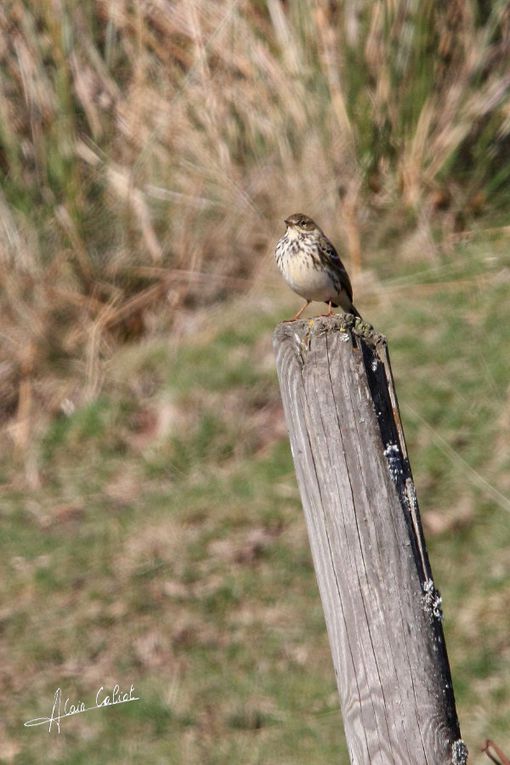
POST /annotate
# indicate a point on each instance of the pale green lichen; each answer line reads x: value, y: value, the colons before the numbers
x: 344, y: 323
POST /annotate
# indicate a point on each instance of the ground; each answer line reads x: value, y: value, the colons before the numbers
x: 165, y: 545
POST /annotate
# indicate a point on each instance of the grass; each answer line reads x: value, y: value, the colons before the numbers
x: 166, y: 547
x: 141, y: 176
x: 152, y: 527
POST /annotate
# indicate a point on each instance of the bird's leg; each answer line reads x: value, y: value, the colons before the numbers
x: 330, y: 309
x: 301, y: 310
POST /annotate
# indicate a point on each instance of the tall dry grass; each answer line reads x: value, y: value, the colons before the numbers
x: 149, y: 149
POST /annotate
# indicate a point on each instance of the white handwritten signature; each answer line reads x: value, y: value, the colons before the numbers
x: 67, y: 709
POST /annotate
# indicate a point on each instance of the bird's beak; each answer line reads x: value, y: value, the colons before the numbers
x: 287, y: 221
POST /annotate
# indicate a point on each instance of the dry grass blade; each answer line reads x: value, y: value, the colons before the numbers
x: 503, y: 759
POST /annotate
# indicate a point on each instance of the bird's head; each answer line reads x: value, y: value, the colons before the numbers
x: 300, y: 223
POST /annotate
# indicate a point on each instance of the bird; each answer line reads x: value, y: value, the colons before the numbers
x: 311, y: 266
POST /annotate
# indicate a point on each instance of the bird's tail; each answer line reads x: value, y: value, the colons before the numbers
x: 347, y: 305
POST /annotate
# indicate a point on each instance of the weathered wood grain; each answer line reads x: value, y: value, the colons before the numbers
x: 382, y: 611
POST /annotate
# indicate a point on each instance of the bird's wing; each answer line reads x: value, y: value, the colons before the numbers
x: 331, y: 256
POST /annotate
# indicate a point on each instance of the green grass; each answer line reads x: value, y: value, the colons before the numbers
x: 151, y: 527
x: 166, y: 545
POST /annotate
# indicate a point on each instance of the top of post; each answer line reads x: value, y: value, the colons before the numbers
x: 306, y: 329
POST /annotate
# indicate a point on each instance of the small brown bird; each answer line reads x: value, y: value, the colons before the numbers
x: 311, y: 267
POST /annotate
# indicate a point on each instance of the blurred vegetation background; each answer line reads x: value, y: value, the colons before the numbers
x: 152, y: 531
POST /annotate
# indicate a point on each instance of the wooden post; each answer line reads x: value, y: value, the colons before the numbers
x: 382, y: 610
